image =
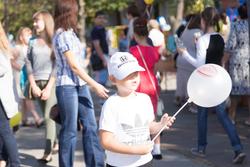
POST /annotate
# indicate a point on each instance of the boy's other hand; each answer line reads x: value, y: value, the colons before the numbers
x: 167, y: 120
x: 143, y: 149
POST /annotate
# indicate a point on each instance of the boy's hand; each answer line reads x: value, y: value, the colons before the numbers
x: 167, y: 120
x: 143, y: 149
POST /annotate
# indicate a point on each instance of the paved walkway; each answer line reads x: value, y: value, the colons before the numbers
x: 176, y: 142
x: 30, y: 143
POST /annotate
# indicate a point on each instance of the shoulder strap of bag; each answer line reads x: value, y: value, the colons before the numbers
x: 145, y: 64
x: 30, y: 49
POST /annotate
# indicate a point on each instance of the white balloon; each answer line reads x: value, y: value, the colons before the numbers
x: 209, y: 85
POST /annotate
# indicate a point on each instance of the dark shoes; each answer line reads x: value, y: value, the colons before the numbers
x: 40, y: 123
x: 239, y: 158
x: 55, y: 148
x: 45, y: 161
x: 198, y: 152
x: 157, y: 156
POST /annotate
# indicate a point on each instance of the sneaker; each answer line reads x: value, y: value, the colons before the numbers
x: 247, y: 122
x: 157, y: 156
x: 193, y: 110
x: 196, y: 152
x: 239, y: 158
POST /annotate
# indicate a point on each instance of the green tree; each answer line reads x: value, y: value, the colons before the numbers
x: 17, y: 13
x: 107, y: 5
x: 195, y: 6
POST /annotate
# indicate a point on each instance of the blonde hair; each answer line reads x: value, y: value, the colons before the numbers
x: 49, y: 24
x: 4, y: 43
x: 19, y: 34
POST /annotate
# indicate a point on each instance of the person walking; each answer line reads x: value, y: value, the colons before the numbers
x: 8, y: 105
x: 210, y: 49
x: 237, y: 53
x: 72, y: 90
x: 100, y: 49
x: 144, y: 52
x: 184, y: 68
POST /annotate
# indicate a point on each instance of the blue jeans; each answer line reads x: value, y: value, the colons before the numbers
x: 225, y: 122
x: 101, y: 76
x: 7, y: 140
x: 75, y: 102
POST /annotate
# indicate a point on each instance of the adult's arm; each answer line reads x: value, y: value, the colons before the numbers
x: 201, y: 51
x: 99, y: 51
x: 98, y: 88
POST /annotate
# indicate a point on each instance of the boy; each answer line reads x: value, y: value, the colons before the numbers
x: 127, y: 117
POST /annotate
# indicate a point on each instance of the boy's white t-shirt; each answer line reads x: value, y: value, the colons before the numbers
x: 128, y: 118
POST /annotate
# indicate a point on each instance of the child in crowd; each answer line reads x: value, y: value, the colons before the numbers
x: 19, y: 72
x: 127, y: 117
x: 123, y: 40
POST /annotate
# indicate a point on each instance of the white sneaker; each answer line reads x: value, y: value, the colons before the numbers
x: 193, y: 110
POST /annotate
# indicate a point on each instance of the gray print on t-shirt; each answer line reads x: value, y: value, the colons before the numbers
x: 137, y: 134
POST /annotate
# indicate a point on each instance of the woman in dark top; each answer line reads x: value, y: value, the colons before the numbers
x: 210, y: 48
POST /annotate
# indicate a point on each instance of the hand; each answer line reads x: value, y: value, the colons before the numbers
x: 86, y: 62
x: 143, y: 149
x: 181, y: 50
x: 167, y: 120
x: 195, y: 40
x: 101, y: 91
x: 45, y: 94
x: 36, y: 91
x: 104, y: 63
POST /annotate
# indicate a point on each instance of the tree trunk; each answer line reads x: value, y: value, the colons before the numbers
x: 82, y: 19
x: 179, y: 14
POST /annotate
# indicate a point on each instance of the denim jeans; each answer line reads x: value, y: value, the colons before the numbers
x: 3, y: 155
x: 7, y: 140
x: 225, y: 122
x: 101, y: 76
x: 75, y: 102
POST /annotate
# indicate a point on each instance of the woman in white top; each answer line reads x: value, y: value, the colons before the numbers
x: 8, y: 105
x: 210, y: 49
x: 185, y: 68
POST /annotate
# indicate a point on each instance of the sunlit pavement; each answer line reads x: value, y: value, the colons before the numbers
x: 176, y: 142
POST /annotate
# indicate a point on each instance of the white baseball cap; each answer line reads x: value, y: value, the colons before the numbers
x: 122, y: 64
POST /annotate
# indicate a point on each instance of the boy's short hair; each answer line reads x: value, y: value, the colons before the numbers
x: 122, y: 64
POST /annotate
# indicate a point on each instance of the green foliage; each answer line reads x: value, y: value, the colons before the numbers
x: 105, y: 5
x: 196, y: 6
x: 20, y: 12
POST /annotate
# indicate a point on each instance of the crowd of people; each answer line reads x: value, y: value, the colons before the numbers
x: 48, y: 65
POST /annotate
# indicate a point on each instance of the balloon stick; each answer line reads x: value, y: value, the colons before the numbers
x: 188, y: 101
